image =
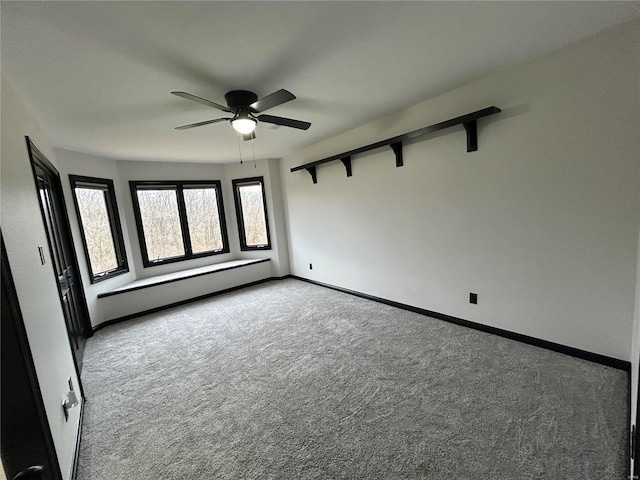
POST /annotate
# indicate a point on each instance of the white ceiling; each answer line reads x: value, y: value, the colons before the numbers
x: 97, y: 75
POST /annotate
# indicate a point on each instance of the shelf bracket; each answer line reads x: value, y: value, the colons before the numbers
x: 472, y: 135
x: 346, y: 161
x: 397, y: 149
x: 312, y: 172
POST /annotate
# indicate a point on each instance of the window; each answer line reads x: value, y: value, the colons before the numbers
x: 97, y: 210
x: 179, y: 220
x: 251, y: 210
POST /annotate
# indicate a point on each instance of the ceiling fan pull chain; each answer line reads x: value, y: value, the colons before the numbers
x: 253, y: 139
x: 239, y: 149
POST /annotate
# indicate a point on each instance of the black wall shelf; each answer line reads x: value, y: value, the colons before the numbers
x: 469, y: 121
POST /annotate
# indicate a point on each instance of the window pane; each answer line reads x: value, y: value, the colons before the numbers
x: 203, y: 219
x: 161, y: 223
x: 94, y: 216
x: 255, y: 226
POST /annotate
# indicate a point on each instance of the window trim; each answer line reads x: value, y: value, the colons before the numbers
x: 239, y: 182
x: 114, y: 223
x: 184, y: 227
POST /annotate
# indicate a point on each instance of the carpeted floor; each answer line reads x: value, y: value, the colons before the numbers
x: 288, y: 380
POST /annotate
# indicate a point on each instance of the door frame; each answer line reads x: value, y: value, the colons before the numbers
x: 18, y: 321
x: 37, y: 158
x: 635, y: 444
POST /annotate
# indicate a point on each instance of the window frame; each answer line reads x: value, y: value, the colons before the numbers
x: 106, y: 185
x: 182, y: 214
x: 239, y: 182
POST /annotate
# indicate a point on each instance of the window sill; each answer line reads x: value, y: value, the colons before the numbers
x: 111, y: 274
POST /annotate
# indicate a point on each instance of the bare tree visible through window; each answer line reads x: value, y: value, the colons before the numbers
x: 255, y: 229
x: 97, y: 211
x: 97, y: 231
x: 179, y: 220
x: 161, y: 223
x: 252, y: 217
x: 201, y: 205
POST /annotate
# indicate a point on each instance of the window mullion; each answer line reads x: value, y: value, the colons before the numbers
x: 139, y: 226
x: 221, y: 214
x: 116, y: 229
x: 184, y: 225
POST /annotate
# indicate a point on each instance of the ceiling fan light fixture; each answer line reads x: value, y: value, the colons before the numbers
x: 244, y: 125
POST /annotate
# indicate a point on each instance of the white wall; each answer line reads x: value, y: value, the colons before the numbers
x: 278, y: 222
x: 23, y: 232
x: 76, y: 163
x: 541, y: 222
x: 122, y: 172
x: 269, y: 169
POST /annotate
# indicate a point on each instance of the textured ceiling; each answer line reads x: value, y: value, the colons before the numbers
x: 97, y: 75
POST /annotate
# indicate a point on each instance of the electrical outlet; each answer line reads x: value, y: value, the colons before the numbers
x: 473, y: 298
x: 311, y: 266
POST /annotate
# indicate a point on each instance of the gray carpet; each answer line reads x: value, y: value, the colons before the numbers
x: 288, y: 380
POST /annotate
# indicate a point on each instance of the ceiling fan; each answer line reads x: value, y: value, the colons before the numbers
x: 244, y: 106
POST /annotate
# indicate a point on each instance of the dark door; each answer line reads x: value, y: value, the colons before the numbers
x: 635, y: 444
x: 25, y: 435
x: 54, y: 215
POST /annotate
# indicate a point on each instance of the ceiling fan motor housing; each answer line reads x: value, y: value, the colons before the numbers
x: 240, y: 99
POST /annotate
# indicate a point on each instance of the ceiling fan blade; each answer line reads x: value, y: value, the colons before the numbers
x: 204, y: 101
x: 199, y: 124
x: 272, y: 100
x: 249, y: 136
x: 287, y: 122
